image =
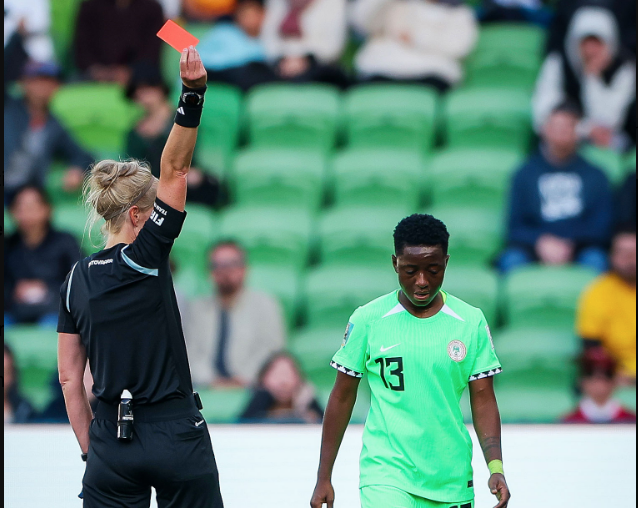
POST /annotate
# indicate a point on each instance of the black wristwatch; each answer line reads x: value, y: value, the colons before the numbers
x: 84, y: 456
x: 192, y: 98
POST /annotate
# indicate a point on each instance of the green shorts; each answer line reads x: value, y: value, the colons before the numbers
x: 380, y: 496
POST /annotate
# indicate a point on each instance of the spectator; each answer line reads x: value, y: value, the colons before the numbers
x: 232, y: 51
x: 231, y: 334
x: 598, y: 74
x: 17, y: 409
x: 305, y: 39
x: 415, y: 40
x: 607, y: 310
x: 597, y: 381
x: 37, y: 260
x: 32, y: 19
x: 530, y: 11
x: 560, y: 205
x: 112, y: 35
x: 33, y: 136
x: 15, y: 57
x: 146, y: 141
x: 623, y: 11
x: 282, y: 395
x: 626, y: 202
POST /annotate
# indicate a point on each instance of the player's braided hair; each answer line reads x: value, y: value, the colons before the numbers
x: 420, y: 229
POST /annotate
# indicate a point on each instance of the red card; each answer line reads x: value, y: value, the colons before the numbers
x: 176, y: 36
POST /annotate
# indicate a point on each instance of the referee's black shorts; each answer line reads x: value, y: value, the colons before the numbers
x: 170, y: 451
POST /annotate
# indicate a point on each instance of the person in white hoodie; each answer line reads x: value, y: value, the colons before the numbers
x: 596, y: 72
x: 414, y: 40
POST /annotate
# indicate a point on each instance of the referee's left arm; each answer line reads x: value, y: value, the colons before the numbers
x: 178, y: 152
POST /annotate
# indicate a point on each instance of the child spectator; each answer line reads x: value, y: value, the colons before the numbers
x: 597, y: 381
x: 596, y: 72
x: 414, y: 40
x: 560, y: 205
x: 112, y: 35
x: 282, y: 395
x: 305, y: 39
x: 607, y: 310
x: 37, y: 258
x: 17, y: 409
x: 33, y: 136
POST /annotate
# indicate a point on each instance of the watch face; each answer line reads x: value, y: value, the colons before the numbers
x: 192, y: 98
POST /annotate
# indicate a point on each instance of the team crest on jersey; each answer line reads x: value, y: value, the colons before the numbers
x: 457, y: 350
x: 346, y: 335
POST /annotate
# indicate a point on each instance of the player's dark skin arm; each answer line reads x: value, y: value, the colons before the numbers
x: 335, y: 422
x: 487, y: 422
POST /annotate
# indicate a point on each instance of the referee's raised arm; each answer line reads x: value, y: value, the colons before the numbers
x: 178, y: 152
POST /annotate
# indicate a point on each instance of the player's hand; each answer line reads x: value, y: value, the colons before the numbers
x: 191, y: 69
x: 323, y: 494
x: 498, y: 487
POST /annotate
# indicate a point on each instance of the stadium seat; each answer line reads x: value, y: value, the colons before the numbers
x: 472, y: 177
x: 627, y: 396
x: 63, y: 16
x: 533, y: 404
x: 476, y: 233
x: 359, y: 235
x: 54, y: 186
x: 198, y: 234
x: 35, y: 350
x: 378, y: 177
x: 73, y: 218
x: 544, y: 296
x: 9, y: 226
x: 476, y: 286
x: 314, y: 347
x: 98, y: 115
x: 219, y: 132
x: 224, y: 405
x: 293, y: 116
x: 610, y: 161
x: 271, y: 236
x: 506, y: 55
x: 488, y: 118
x: 392, y: 116
x: 332, y: 293
x: 277, y: 177
x: 192, y: 282
x: 282, y: 282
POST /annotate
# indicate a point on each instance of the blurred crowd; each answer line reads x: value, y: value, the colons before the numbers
x: 563, y: 208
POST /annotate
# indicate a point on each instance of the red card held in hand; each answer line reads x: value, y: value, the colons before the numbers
x: 176, y: 36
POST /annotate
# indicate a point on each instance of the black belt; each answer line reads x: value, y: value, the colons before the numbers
x: 162, y: 411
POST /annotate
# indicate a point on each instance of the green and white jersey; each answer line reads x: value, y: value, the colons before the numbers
x: 415, y: 438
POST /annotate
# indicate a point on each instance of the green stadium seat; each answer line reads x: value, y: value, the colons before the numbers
x: 392, y: 116
x: 277, y: 177
x: 359, y: 235
x: 552, y: 348
x: 544, y: 296
x: 271, y: 236
x: 63, y: 16
x: 35, y: 349
x: 314, y: 347
x: 9, y: 226
x: 533, y: 404
x: 476, y: 233
x: 476, y: 286
x: 627, y: 396
x: 54, y: 185
x: 73, y: 218
x: 198, y: 234
x: 98, y: 115
x: 224, y: 405
x: 192, y: 282
x: 220, y: 128
x: 282, y: 282
x: 610, y: 161
x: 488, y: 118
x: 333, y: 293
x: 472, y: 177
x: 294, y: 116
x: 378, y: 177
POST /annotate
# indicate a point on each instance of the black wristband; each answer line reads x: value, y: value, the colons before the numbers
x: 189, y: 109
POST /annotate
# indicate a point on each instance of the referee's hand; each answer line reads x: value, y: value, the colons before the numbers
x: 498, y: 487
x: 323, y: 494
x: 191, y: 69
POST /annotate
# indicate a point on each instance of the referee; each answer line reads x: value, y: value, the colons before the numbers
x: 118, y: 309
x: 420, y: 348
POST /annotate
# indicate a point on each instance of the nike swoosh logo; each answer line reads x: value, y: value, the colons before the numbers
x: 384, y: 349
x: 199, y: 423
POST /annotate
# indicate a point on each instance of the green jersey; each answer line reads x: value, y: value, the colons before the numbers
x: 415, y: 438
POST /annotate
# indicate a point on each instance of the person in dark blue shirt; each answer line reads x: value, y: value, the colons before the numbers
x: 560, y: 205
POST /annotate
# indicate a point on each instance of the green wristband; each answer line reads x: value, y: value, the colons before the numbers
x: 496, y: 467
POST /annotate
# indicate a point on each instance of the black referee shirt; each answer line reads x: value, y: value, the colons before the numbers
x: 122, y: 303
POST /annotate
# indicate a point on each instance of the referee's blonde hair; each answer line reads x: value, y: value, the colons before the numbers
x: 113, y: 187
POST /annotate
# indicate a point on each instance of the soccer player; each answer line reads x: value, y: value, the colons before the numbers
x: 420, y: 347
